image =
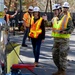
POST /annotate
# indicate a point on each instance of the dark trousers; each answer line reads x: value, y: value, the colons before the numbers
x: 26, y: 32
x: 36, y: 43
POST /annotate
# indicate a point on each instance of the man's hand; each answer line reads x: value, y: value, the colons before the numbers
x: 24, y: 24
x: 63, y: 32
x: 24, y: 27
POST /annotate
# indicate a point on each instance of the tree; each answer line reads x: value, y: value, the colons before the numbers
x: 40, y: 3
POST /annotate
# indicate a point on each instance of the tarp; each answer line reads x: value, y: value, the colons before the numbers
x: 12, y: 58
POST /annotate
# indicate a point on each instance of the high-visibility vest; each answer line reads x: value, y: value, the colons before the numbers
x: 68, y: 13
x: 27, y: 19
x: 60, y: 26
x: 35, y: 29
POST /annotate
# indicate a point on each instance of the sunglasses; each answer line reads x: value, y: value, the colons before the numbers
x: 65, y: 7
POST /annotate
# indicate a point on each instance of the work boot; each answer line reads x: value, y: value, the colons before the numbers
x: 59, y: 73
x: 24, y: 45
x: 36, y: 64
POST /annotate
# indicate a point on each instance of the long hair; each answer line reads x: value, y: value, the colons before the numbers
x: 38, y: 14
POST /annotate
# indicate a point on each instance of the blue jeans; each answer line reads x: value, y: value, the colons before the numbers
x: 36, y: 43
x: 26, y: 32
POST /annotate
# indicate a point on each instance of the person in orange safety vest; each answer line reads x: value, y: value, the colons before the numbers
x: 26, y: 23
x: 37, y: 33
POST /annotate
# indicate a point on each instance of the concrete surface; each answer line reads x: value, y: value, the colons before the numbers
x: 26, y: 54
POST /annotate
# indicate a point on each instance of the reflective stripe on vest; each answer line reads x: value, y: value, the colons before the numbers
x: 60, y: 26
x: 35, y: 28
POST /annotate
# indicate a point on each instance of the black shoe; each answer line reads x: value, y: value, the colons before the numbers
x: 24, y: 45
x: 37, y: 66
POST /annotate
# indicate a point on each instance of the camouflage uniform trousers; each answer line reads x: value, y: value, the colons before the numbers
x: 60, y: 52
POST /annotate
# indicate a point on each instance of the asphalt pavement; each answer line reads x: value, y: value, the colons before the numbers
x: 47, y: 66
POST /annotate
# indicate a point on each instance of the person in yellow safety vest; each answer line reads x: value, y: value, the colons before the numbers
x: 26, y: 23
x: 66, y: 9
x: 37, y: 33
x: 62, y: 27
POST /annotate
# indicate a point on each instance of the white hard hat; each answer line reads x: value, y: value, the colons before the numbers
x: 55, y: 7
x: 66, y: 4
x: 30, y: 7
x: 59, y: 6
x: 36, y: 9
x: 5, y: 7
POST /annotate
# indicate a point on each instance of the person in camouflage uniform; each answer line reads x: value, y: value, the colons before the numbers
x: 61, y: 45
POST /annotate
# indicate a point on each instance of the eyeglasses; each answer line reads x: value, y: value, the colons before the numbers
x: 65, y: 7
